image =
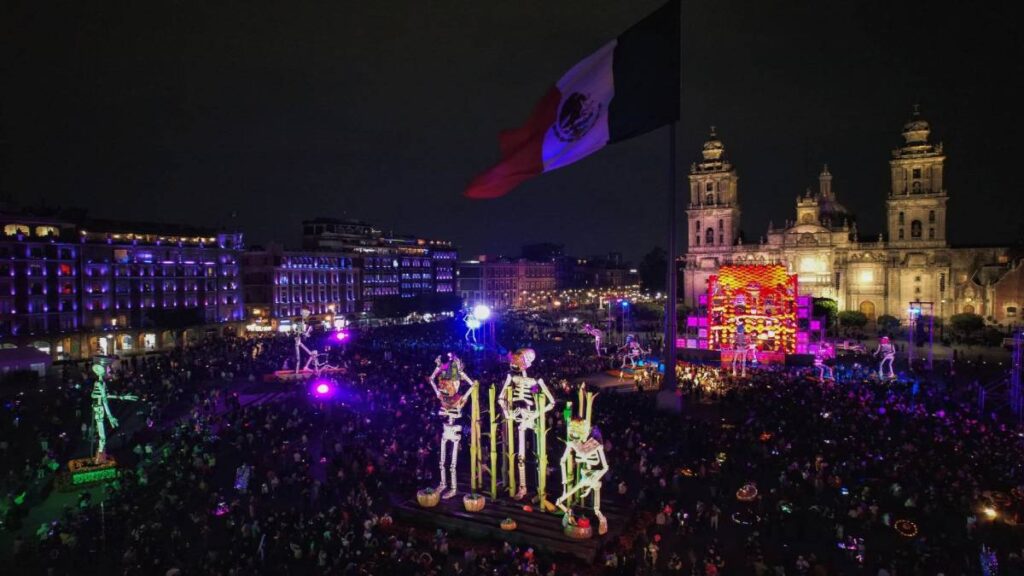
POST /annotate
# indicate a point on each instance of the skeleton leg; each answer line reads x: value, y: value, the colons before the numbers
x: 455, y: 459
x: 444, y: 446
x: 602, y: 522
x: 521, y: 462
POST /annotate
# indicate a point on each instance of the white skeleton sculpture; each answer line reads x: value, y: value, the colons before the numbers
x: 821, y: 356
x: 101, y: 408
x: 888, y: 352
x: 741, y: 350
x: 303, y: 330
x: 585, y: 454
x: 446, y: 381
x: 522, y: 410
x: 597, y: 334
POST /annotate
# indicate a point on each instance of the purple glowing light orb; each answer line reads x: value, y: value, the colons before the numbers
x: 322, y: 389
x: 341, y: 335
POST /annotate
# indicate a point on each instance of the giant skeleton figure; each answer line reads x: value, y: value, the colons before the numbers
x: 888, y: 352
x: 821, y: 357
x: 101, y: 408
x: 303, y: 330
x: 741, y: 350
x: 597, y: 334
x: 446, y: 381
x: 587, y: 454
x: 631, y: 352
x: 522, y: 410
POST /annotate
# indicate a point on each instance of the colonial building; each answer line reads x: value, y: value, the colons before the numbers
x: 391, y: 265
x: 280, y: 283
x: 74, y: 287
x: 504, y: 283
x: 911, y: 263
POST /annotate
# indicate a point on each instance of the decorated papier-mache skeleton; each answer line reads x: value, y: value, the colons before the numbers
x: 822, y: 355
x: 583, y: 464
x: 521, y: 409
x: 888, y: 352
x: 742, y: 350
x: 101, y: 408
x: 597, y: 334
x: 303, y: 330
x: 446, y: 380
x: 632, y: 352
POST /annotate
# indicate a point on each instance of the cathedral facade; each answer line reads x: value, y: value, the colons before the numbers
x: 911, y: 266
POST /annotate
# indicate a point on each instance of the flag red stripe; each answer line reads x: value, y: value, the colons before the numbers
x: 521, y: 152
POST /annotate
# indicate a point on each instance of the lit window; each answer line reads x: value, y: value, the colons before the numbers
x: 15, y: 229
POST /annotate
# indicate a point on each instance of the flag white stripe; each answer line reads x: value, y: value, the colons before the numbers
x: 581, y: 125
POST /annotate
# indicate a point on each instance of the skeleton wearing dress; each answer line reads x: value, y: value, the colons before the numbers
x: 101, y: 408
x: 586, y: 453
x: 446, y: 381
x: 522, y: 410
x: 888, y: 352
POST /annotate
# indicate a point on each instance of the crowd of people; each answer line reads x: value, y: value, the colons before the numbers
x: 775, y: 473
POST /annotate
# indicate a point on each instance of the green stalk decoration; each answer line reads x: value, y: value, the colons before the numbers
x: 570, y: 465
x: 510, y: 445
x: 492, y: 392
x: 474, y: 440
x: 542, y: 451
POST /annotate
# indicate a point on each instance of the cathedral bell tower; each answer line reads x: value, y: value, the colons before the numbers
x: 713, y: 213
x: 916, y: 208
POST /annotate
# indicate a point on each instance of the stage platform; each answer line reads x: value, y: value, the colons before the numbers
x: 541, y: 531
x: 292, y: 376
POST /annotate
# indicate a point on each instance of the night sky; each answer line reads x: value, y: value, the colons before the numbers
x: 383, y: 111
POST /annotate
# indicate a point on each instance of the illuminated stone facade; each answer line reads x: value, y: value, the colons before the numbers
x: 881, y: 275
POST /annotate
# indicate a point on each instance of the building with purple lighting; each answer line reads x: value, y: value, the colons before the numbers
x: 279, y: 283
x: 74, y: 287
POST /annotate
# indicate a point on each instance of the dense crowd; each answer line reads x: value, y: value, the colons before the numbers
x: 225, y: 474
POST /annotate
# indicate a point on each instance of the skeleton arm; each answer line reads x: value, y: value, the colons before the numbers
x: 502, y: 403
x: 549, y: 405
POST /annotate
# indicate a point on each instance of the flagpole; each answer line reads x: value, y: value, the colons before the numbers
x: 669, y: 381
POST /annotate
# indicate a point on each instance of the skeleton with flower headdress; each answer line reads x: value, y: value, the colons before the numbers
x: 520, y: 408
x: 446, y: 380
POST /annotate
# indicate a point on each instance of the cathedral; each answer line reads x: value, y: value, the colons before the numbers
x: 911, y: 266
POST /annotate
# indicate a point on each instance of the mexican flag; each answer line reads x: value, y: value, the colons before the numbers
x: 629, y: 87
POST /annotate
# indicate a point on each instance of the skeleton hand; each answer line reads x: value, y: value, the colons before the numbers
x: 113, y: 422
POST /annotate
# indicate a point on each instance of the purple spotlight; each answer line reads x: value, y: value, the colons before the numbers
x: 322, y: 389
x: 341, y: 335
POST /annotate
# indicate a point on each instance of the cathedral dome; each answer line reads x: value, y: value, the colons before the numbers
x: 917, y: 130
x: 713, y: 148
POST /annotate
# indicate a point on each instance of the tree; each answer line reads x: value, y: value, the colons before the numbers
x: 653, y: 268
x: 888, y: 323
x: 853, y: 319
x: 828, y: 308
x: 966, y: 324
